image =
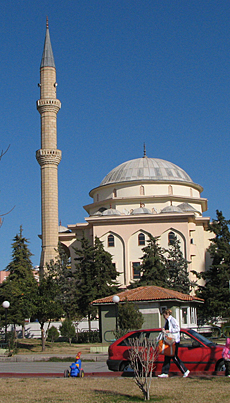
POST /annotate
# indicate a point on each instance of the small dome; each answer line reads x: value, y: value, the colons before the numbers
x: 111, y: 211
x: 172, y: 209
x: 140, y: 210
x: 97, y: 213
x: 61, y: 228
x: 147, y: 169
x: 187, y: 207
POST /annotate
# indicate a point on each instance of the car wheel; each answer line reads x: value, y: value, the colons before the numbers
x: 124, y: 366
x: 220, y: 366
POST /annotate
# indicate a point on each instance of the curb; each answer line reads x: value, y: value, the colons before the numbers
x: 97, y: 357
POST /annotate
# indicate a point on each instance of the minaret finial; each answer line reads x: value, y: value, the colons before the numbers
x: 144, y: 151
x: 47, y: 23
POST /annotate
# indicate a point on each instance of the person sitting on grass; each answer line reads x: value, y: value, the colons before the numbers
x: 75, y: 368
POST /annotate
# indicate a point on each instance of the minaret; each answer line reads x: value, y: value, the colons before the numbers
x: 48, y: 156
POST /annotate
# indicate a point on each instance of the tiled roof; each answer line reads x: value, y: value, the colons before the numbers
x: 148, y: 293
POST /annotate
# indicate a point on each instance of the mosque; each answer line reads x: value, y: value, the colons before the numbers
x: 139, y: 197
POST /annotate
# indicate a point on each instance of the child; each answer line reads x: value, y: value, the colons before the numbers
x: 75, y: 368
x: 226, y: 356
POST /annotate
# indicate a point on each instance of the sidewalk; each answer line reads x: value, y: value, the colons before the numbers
x: 97, y: 357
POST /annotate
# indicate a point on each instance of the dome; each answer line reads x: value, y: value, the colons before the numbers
x: 111, y: 211
x: 187, y: 207
x: 141, y: 210
x: 146, y: 169
x: 172, y: 209
x: 61, y: 228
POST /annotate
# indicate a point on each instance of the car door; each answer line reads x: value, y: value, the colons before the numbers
x: 194, y: 354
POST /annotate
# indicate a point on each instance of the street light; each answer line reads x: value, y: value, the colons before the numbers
x: 6, y: 305
x: 116, y: 300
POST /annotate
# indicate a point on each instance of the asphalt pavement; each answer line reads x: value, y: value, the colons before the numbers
x: 30, y: 365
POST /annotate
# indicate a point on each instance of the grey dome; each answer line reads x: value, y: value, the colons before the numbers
x: 187, y: 207
x: 147, y: 169
x: 141, y: 210
x: 111, y: 211
x: 61, y: 228
x: 172, y: 209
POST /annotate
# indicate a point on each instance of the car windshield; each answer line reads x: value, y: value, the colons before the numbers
x: 201, y: 338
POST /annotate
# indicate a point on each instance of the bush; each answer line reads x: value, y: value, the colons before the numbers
x: 67, y: 329
x: 88, y: 337
x: 53, y: 334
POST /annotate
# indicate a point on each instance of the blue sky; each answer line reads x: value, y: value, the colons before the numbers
x: 129, y: 72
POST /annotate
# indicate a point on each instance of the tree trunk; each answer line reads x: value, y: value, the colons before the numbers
x: 23, y: 330
x: 43, y: 337
x: 89, y: 322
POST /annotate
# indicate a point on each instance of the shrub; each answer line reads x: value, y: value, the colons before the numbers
x: 53, y: 334
x: 67, y: 329
x: 88, y: 337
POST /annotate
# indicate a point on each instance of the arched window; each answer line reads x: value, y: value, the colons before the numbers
x: 142, y: 190
x: 170, y: 190
x: 114, y: 192
x: 171, y: 238
x: 110, y: 240
x: 141, y: 239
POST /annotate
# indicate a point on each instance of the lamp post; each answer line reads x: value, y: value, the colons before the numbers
x: 116, y: 300
x: 6, y: 305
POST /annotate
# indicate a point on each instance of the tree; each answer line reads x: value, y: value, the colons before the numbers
x: 47, y: 307
x: 143, y: 355
x: 96, y: 275
x: 65, y: 280
x: 216, y: 290
x: 67, y: 329
x: 20, y: 286
x: 177, y: 268
x: 129, y: 316
x: 153, y: 270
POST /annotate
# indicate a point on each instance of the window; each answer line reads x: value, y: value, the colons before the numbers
x: 142, y: 190
x: 110, y: 240
x: 136, y: 270
x: 184, y: 312
x: 193, y: 315
x: 114, y: 192
x: 141, y: 239
x: 171, y: 238
x: 170, y: 190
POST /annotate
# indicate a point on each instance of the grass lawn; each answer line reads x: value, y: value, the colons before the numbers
x: 34, y: 346
x: 113, y: 390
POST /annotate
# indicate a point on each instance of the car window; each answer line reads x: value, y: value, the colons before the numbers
x: 151, y: 336
x: 128, y: 340
x: 188, y: 341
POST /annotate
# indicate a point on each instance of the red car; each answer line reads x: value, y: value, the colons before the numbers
x: 196, y: 351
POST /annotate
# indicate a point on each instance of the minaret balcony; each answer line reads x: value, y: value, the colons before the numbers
x: 44, y: 105
x: 47, y: 157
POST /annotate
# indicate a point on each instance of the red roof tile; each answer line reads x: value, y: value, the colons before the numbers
x: 148, y: 293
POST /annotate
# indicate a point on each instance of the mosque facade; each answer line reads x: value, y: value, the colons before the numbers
x: 139, y: 197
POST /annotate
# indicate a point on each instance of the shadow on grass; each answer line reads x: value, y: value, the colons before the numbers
x: 115, y: 397
x: 27, y: 346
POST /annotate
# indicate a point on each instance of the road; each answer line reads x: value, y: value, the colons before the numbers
x: 48, y: 367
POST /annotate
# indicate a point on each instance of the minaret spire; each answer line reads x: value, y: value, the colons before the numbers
x: 48, y: 156
x: 47, y: 56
